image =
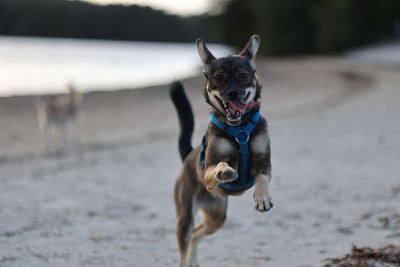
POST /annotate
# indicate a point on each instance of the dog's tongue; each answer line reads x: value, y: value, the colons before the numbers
x: 240, y: 106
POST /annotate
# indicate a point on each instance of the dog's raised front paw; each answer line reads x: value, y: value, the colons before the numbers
x: 263, y: 202
x: 224, y: 173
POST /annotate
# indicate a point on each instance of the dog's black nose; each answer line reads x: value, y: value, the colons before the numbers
x: 233, y: 93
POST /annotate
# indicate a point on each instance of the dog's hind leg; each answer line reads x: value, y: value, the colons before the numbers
x: 43, y: 125
x: 184, y: 226
x: 213, y: 211
x: 68, y: 131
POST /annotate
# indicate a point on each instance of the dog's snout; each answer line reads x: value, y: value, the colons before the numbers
x: 233, y: 93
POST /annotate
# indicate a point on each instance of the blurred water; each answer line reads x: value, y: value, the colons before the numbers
x: 381, y: 53
x: 47, y: 65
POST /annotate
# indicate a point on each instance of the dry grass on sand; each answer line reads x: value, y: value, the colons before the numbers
x: 388, y: 256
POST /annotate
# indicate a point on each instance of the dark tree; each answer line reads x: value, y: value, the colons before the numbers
x: 63, y: 18
x: 309, y: 26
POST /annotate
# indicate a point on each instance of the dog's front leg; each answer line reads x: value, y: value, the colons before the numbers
x: 220, y: 173
x: 262, y: 197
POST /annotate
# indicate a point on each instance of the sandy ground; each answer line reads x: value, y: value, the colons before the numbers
x: 334, y: 125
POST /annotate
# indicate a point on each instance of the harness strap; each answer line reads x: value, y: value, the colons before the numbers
x: 242, y: 135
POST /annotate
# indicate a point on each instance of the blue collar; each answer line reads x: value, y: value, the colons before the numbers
x: 242, y: 136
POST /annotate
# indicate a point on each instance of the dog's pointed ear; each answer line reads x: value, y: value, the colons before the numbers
x: 250, y: 50
x: 205, y: 54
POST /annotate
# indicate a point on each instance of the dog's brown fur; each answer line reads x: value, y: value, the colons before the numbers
x: 199, y: 185
x: 57, y: 113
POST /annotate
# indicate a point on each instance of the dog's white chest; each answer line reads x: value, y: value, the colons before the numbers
x: 224, y: 146
x: 259, y: 143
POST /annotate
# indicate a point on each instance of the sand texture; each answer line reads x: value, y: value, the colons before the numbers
x: 107, y: 201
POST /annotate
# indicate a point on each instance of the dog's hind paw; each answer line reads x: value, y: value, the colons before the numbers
x: 224, y: 173
x: 263, y: 204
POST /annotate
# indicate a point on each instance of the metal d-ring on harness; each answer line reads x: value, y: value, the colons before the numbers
x: 242, y: 135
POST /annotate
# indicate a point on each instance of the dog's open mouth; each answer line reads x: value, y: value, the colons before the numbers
x: 235, y: 109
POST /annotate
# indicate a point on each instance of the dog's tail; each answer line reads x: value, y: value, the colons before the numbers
x: 185, y: 115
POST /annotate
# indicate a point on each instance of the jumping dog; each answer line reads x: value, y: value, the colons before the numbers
x: 235, y: 153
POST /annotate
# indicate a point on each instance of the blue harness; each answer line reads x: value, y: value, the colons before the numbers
x: 242, y: 135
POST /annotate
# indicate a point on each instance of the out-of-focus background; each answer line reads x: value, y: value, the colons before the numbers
x: 88, y: 135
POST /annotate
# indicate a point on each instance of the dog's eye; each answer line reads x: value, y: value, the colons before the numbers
x: 219, y: 77
x: 244, y: 76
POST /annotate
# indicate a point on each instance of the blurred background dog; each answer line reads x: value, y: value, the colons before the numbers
x: 58, y: 116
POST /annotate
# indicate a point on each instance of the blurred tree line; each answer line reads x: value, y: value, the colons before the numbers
x: 309, y: 26
x: 286, y: 26
x: 77, y: 19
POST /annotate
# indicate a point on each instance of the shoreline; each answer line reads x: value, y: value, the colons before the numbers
x: 40, y: 66
x: 96, y: 104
